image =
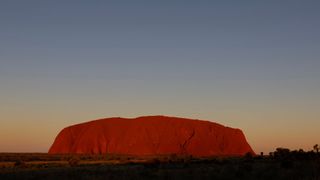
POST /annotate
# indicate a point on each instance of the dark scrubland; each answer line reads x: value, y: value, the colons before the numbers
x: 280, y: 164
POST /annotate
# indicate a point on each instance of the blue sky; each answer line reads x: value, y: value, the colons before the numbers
x: 247, y: 64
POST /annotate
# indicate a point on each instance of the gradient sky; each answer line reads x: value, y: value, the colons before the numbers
x: 253, y: 65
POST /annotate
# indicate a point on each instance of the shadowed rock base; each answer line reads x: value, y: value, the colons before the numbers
x: 151, y: 135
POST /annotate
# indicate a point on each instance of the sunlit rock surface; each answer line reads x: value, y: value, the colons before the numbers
x: 151, y: 135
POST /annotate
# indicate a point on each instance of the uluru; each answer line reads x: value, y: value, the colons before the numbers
x: 151, y: 135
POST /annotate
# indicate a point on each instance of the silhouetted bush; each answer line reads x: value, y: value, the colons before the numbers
x: 74, y: 161
x: 19, y: 163
x: 248, y: 155
x: 173, y: 158
x: 153, y: 163
x: 281, y: 153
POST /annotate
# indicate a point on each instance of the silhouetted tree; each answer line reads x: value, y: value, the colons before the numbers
x: 281, y: 153
x: 316, y: 148
x: 270, y: 154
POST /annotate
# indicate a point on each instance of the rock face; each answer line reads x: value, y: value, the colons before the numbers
x: 152, y: 135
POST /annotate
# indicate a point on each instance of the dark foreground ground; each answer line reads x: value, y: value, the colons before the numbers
x: 287, y: 165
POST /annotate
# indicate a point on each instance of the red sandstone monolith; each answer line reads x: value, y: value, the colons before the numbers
x: 151, y: 135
